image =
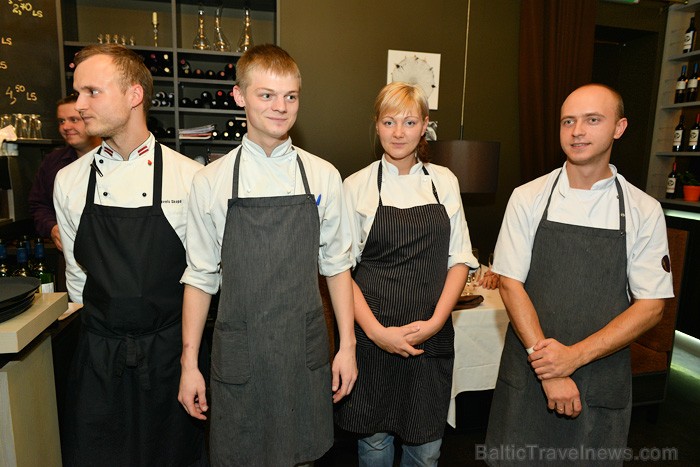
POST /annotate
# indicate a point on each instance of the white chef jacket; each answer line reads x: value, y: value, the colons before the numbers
x: 123, y: 183
x: 598, y: 207
x: 262, y: 176
x: 407, y: 191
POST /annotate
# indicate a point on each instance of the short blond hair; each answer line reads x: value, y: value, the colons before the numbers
x: 399, y: 97
x: 266, y: 57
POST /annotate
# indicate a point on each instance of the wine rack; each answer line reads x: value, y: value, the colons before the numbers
x: 667, y: 112
x: 183, y: 76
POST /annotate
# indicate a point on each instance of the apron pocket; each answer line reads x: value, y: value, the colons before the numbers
x: 514, y: 369
x: 610, y: 381
x: 230, y: 358
x: 317, y: 348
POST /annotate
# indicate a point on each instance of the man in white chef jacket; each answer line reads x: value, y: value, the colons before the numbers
x: 263, y: 221
x: 121, y: 212
x: 575, y: 247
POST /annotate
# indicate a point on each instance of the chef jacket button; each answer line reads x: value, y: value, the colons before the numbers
x: 289, y: 191
x: 143, y: 194
x: 248, y: 190
x: 102, y: 161
x: 104, y: 193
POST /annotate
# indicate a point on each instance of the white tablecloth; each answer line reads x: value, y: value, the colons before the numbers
x: 479, y: 338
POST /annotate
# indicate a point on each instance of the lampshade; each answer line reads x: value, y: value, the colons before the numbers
x: 475, y: 163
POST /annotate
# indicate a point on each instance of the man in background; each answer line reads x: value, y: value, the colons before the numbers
x: 78, y: 142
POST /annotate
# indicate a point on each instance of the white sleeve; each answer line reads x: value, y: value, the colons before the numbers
x: 514, y: 245
x: 68, y: 228
x: 336, y: 238
x: 646, y: 275
x: 460, y: 249
x: 202, y: 246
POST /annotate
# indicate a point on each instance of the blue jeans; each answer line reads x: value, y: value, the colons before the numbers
x: 378, y: 451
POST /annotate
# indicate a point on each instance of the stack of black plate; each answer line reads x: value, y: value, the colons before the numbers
x: 16, y: 295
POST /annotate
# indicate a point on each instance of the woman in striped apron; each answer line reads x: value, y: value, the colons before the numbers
x: 412, y: 248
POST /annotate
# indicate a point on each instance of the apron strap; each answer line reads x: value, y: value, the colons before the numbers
x: 157, y: 178
x: 92, y: 181
x: 620, y: 197
x: 236, y: 174
x: 379, y: 184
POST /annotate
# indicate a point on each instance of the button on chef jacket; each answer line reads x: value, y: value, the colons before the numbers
x: 124, y: 183
x: 263, y: 176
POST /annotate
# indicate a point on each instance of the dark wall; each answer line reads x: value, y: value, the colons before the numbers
x: 628, y: 50
x: 342, y: 53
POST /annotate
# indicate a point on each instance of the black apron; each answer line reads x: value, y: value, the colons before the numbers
x: 126, y: 372
x: 577, y: 283
x: 271, y: 400
x: 401, y: 275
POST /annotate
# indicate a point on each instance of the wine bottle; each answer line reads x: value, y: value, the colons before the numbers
x: 40, y: 270
x: 691, y: 92
x: 230, y: 71
x: 221, y: 74
x: 671, y: 182
x: 184, y: 67
x: 22, y: 268
x: 689, y: 40
x: 153, y: 64
x: 170, y: 132
x: 4, y: 270
x: 209, y: 74
x: 185, y: 102
x: 197, y: 73
x: 681, y: 84
x: 694, y: 135
x: 678, y: 135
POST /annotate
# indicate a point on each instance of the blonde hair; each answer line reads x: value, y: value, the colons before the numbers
x: 266, y: 57
x: 128, y: 63
x: 398, y: 97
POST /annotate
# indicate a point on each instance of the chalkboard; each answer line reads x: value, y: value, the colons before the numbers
x: 30, y: 81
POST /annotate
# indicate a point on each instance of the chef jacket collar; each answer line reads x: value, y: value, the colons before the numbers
x: 256, y: 150
x: 390, y: 168
x: 564, y: 187
x: 144, y: 148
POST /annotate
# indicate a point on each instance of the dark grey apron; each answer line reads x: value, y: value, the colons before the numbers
x: 577, y: 283
x: 271, y: 383
x: 401, y: 275
x: 126, y: 373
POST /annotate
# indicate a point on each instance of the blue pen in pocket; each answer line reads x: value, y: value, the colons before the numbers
x: 318, y: 200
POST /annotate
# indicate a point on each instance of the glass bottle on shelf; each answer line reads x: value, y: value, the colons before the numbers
x: 22, y: 269
x: 4, y: 270
x: 672, y: 182
x: 201, y: 42
x: 40, y: 270
x: 694, y: 135
x: 681, y: 84
x: 678, y: 135
x: 245, y: 42
x: 689, y: 39
x: 691, y: 92
x: 221, y: 43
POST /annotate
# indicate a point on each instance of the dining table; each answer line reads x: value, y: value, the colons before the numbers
x: 479, y: 338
